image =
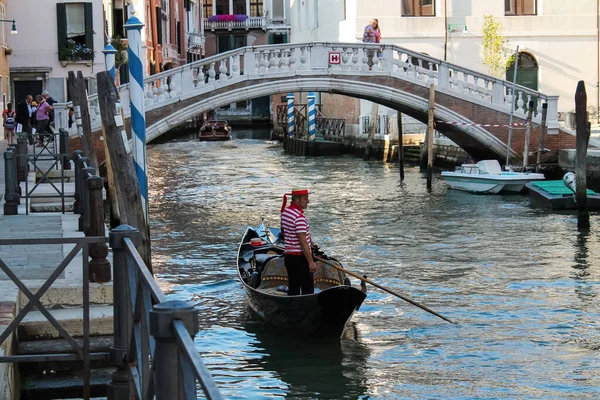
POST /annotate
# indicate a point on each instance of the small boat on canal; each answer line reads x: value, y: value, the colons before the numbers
x: 560, y: 194
x: 262, y: 271
x: 214, y: 130
x: 487, y: 177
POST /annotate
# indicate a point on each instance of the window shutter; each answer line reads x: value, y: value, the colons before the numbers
x: 407, y: 8
x: 529, y: 7
x: 89, y: 25
x: 159, y: 37
x: 61, y: 23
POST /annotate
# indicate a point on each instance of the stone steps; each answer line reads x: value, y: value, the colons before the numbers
x: 35, y: 326
x: 64, y: 385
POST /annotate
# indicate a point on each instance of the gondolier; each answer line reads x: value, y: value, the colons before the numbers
x: 298, y: 256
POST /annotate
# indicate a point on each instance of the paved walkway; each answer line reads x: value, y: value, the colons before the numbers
x: 32, y: 262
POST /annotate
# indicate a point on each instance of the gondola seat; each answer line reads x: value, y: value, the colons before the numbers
x: 274, y: 274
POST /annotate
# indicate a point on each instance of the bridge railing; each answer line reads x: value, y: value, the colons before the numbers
x: 308, y: 59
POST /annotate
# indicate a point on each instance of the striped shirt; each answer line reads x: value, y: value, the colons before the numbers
x: 293, y: 221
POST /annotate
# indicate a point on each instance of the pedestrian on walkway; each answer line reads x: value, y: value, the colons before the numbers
x: 9, y: 123
x: 24, y: 113
x: 42, y: 118
x: 377, y: 32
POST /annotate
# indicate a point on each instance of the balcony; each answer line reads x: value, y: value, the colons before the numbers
x: 219, y: 22
x: 195, y: 40
x: 170, y: 53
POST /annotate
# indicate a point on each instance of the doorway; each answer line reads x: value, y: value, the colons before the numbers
x: 527, y: 71
x: 24, y: 88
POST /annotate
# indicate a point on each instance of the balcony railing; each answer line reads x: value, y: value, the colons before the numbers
x: 196, y: 39
x: 250, y: 23
x: 170, y: 51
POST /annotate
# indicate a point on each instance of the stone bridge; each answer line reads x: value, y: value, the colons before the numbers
x: 400, y: 79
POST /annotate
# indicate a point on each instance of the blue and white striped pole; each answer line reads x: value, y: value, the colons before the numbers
x: 136, y: 96
x: 109, y: 60
x: 290, y: 113
x: 312, y: 117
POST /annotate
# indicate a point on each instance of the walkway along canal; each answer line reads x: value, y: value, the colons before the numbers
x: 521, y: 283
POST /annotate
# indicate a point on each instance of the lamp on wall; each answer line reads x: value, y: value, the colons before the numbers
x: 13, y: 29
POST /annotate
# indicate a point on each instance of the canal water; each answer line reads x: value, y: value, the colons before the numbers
x: 520, y: 282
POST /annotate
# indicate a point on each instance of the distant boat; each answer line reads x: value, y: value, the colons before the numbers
x: 263, y: 275
x: 214, y: 130
x: 560, y: 195
x: 487, y: 177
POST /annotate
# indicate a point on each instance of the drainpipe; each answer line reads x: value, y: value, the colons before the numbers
x: 446, y: 29
x: 598, y: 61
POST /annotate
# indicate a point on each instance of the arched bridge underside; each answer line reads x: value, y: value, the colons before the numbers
x: 400, y: 79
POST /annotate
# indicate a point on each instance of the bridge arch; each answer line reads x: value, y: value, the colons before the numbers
x: 475, y: 140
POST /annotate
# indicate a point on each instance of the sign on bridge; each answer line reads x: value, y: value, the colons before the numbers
x: 334, y: 57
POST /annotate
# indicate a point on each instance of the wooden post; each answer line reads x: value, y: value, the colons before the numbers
x: 99, y: 266
x: 581, y: 145
x: 400, y: 147
x: 78, y: 90
x: 527, y: 135
x: 430, y: 135
x: 375, y: 121
x: 543, y: 131
x: 126, y: 192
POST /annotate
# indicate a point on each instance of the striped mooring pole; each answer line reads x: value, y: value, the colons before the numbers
x: 136, y: 95
x: 109, y: 60
x: 312, y: 127
x: 290, y: 113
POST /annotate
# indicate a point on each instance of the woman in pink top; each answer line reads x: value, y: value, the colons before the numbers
x: 42, y: 118
x: 377, y: 36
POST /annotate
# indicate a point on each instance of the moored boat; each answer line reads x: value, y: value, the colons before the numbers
x: 555, y: 194
x: 261, y: 270
x: 487, y: 177
x: 214, y: 130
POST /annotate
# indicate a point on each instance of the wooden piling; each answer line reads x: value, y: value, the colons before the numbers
x: 527, y: 135
x: 375, y: 121
x: 543, y: 131
x: 400, y: 147
x: 77, y: 88
x: 581, y: 145
x: 126, y: 193
x: 430, y: 135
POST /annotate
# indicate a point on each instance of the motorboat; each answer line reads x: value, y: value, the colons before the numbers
x: 262, y: 272
x: 213, y: 130
x: 487, y: 176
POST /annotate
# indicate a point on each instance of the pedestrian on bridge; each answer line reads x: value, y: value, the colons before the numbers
x: 369, y: 37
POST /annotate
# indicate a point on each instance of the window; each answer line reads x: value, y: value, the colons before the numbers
x: 418, y: 8
x: 277, y: 13
x: 256, y: 8
x: 207, y: 10
x: 239, y: 7
x: 520, y: 7
x: 230, y: 42
x: 222, y: 7
x: 75, y: 31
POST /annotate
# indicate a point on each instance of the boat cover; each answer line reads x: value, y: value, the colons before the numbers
x: 489, y: 167
x: 274, y: 274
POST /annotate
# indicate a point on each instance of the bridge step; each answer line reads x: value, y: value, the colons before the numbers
x: 64, y: 385
x: 99, y: 349
x: 35, y: 326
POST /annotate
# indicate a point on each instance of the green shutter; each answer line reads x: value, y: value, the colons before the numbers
x: 89, y: 25
x: 61, y: 23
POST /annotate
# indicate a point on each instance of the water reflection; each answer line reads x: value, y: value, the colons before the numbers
x: 323, y: 368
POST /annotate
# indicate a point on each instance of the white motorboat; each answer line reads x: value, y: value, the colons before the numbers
x: 487, y: 177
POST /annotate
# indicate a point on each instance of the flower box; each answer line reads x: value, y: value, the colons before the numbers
x: 74, y: 51
x: 228, y: 18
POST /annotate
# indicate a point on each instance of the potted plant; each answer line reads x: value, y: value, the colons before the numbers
x: 74, y: 51
x: 8, y: 51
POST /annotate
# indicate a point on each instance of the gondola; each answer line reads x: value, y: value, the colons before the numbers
x: 261, y: 270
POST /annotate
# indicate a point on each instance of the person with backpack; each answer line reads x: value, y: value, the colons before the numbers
x: 9, y: 123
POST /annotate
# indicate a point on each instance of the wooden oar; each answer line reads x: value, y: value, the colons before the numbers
x: 384, y: 289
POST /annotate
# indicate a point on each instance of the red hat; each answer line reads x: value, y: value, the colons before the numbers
x: 295, y: 192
